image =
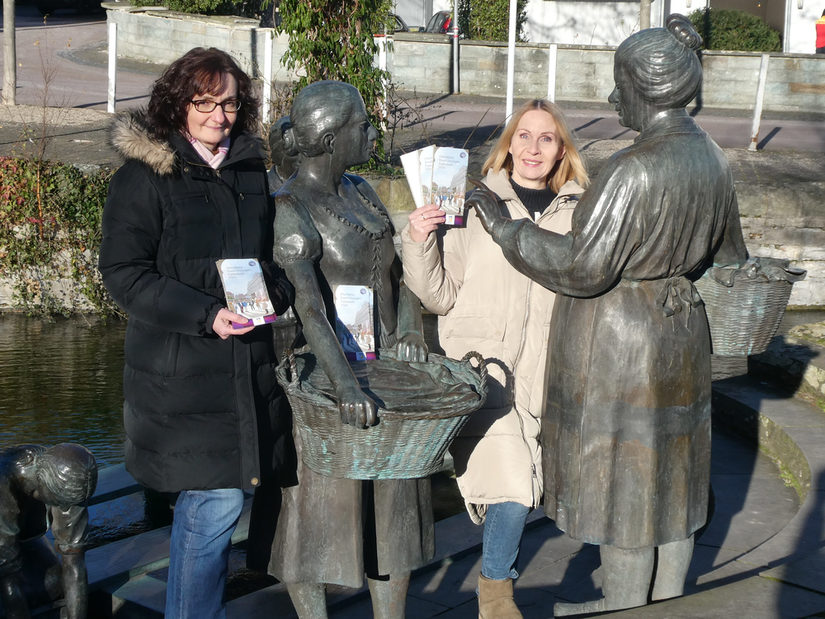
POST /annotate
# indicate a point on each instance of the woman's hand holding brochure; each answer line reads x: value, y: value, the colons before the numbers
x: 425, y: 220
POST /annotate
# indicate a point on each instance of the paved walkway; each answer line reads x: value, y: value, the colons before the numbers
x: 760, y: 556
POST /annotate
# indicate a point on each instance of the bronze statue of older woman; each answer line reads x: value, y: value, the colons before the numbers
x: 626, y: 432
x: 331, y: 229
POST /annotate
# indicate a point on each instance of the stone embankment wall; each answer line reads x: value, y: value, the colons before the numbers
x: 423, y: 62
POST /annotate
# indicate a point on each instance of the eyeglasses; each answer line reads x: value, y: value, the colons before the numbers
x: 205, y: 106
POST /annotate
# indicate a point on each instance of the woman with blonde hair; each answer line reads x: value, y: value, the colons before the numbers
x: 485, y: 305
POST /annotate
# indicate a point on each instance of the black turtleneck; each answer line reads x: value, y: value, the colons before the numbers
x: 534, y: 200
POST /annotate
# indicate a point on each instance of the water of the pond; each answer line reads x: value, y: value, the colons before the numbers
x: 60, y: 380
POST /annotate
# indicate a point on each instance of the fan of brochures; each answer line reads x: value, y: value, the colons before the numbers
x: 438, y: 175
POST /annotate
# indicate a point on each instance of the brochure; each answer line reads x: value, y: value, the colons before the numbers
x: 438, y: 175
x: 243, y: 284
x: 354, y: 324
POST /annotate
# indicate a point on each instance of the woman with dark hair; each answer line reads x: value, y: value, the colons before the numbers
x: 202, y: 406
x: 626, y: 431
x: 331, y: 229
x: 486, y: 305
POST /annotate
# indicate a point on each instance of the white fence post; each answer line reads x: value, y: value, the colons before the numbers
x: 382, y: 42
x: 552, y: 58
x: 266, y: 98
x: 112, y: 90
x: 511, y: 61
x: 760, y: 98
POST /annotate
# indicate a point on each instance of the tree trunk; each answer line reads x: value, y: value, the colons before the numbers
x: 9, y: 54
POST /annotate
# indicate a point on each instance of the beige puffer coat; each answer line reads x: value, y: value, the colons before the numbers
x: 485, y: 305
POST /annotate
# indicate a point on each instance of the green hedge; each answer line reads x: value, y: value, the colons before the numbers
x: 489, y: 20
x: 731, y: 30
x: 50, y: 215
x: 243, y: 8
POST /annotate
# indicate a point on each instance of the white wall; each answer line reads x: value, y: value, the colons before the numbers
x: 578, y: 22
x: 800, y: 32
x: 415, y: 13
x: 583, y: 22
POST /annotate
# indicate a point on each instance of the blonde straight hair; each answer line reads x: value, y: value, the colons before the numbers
x: 569, y: 167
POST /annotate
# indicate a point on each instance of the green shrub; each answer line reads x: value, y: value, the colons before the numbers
x: 489, y: 20
x: 735, y: 31
x: 333, y: 40
x: 243, y: 8
x: 50, y: 215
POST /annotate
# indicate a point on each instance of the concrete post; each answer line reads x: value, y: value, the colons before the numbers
x: 456, y: 82
x: 111, y: 98
x: 511, y: 60
x: 644, y: 14
x: 9, y: 54
x: 760, y: 98
x: 266, y: 95
x: 552, y: 60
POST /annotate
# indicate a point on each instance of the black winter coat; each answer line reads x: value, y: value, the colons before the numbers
x: 199, y: 412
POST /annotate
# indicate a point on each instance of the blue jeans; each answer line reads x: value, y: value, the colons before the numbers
x: 199, y: 550
x: 503, y: 527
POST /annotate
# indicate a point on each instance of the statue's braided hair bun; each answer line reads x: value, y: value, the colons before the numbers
x: 682, y: 29
x: 290, y: 143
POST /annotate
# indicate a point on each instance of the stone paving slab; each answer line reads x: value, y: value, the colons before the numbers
x: 112, y: 482
x: 752, y: 598
x: 807, y: 572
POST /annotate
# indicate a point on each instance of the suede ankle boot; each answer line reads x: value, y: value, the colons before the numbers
x: 495, y: 599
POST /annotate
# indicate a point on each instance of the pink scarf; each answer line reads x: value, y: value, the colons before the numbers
x: 213, y: 160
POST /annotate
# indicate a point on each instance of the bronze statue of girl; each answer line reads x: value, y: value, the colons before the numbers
x: 330, y: 229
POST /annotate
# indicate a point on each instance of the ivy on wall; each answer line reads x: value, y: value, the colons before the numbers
x: 50, y: 215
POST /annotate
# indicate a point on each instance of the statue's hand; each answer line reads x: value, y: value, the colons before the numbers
x: 487, y: 205
x: 412, y: 347
x: 356, y: 407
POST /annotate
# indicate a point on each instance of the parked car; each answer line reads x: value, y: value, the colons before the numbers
x: 441, y: 22
x: 400, y: 24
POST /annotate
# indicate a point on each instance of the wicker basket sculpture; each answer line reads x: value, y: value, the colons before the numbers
x: 422, y: 406
x: 745, y: 304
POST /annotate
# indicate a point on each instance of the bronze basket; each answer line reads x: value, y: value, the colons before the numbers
x: 745, y: 305
x: 412, y: 434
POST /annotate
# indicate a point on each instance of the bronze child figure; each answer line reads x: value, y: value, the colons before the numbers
x: 41, y: 485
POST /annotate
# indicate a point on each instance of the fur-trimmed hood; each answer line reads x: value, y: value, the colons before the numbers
x: 129, y: 136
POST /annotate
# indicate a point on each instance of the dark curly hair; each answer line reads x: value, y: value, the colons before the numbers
x: 199, y: 71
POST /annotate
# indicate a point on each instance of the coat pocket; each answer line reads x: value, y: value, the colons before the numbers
x: 470, y: 327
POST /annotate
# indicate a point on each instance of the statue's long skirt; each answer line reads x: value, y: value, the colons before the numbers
x: 337, y: 531
x: 626, y: 431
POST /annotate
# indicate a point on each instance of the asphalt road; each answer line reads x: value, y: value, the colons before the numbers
x: 62, y: 62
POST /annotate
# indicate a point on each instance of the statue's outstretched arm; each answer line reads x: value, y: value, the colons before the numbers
x: 411, y: 345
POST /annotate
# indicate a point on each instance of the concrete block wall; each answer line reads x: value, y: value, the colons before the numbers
x: 156, y: 35
x: 796, y: 82
x: 423, y: 62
